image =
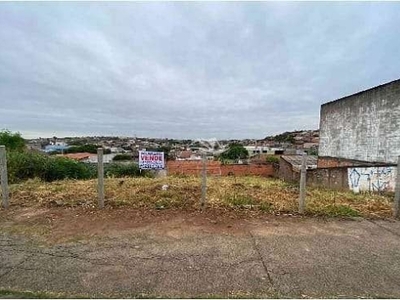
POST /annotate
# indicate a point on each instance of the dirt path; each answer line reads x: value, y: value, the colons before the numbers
x: 120, y: 253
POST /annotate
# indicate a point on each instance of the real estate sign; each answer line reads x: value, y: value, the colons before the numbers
x: 151, y: 160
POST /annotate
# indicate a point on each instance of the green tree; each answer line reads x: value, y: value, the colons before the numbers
x: 235, y: 151
x: 90, y: 148
x: 122, y: 157
x: 12, y: 141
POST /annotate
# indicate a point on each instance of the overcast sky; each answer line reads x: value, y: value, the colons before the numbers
x: 187, y: 70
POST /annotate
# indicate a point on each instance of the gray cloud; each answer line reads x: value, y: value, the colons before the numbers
x: 187, y: 70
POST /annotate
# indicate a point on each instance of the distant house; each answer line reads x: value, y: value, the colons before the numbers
x: 83, y: 156
x: 183, y: 155
x: 255, y: 150
x: 52, y: 148
x: 187, y: 155
x: 117, y: 150
x: 107, y: 158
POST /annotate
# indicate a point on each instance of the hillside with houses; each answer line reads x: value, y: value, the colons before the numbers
x: 294, y: 142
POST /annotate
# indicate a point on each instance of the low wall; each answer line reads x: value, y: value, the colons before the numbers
x: 334, y: 162
x: 243, y: 170
x: 358, y: 178
x: 287, y: 172
x: 333, y: 178
x: 216, y: 168
x: 373, y: 179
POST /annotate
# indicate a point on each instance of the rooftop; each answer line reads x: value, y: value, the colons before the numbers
x: 295, y: 160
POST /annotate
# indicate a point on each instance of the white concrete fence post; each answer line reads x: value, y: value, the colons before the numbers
x: 100, y: 176
x: 303, y: 174
x: 4, y: 176
x: 203, y: 181
x: 396, y: 208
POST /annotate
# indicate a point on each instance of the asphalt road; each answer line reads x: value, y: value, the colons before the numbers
x: 268, y: 259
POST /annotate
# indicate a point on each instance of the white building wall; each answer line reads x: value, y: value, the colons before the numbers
x: 364, y: 126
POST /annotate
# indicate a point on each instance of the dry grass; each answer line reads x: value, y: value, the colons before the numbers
x: 241, y: 193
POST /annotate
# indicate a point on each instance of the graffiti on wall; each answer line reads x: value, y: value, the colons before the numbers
x: 373, y: 179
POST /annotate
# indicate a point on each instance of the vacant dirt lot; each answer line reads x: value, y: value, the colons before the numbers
x: 249, y: 194
x: 150, y: 242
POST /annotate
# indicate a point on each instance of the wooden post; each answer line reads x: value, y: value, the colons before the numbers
x: 396, y: 210
x: 4, y: 176
x: 203, y: 182
x: 303, y: 174
x: 100, y: 175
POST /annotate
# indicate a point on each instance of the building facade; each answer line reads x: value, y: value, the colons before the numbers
x: 362, y: 127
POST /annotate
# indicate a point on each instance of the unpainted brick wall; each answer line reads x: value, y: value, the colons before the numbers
x: 243, y: 170
x: 216, y: 168
x: 333, y: 162
x: 187, y: 167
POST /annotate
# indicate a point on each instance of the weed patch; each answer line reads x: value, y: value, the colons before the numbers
x: 266, y: 195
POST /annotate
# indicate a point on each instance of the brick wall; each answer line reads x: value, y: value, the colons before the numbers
x: 334, y: 162
x: 243, y: 170
x: 216, y: 168
x: 186, y: 167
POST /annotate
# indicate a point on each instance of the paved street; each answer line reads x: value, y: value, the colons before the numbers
x: 276, y: 258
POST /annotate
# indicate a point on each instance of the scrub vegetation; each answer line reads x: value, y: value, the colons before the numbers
x: 253, y: 194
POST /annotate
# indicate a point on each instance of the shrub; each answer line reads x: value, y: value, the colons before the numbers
x: 123, y: 170
x: 59, y: 168
x: 12, y: 141
x: 272, y: 159
x: 26, y: 165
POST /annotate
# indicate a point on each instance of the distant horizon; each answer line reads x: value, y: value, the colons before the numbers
x: 152, y: 137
